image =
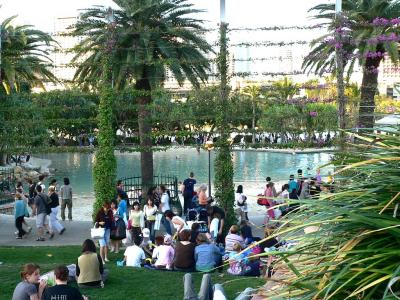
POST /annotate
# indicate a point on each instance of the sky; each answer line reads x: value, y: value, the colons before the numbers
x: 239, y: 13
x: 42, y: 13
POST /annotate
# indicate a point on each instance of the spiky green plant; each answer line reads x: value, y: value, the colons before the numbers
x: 355, y: 252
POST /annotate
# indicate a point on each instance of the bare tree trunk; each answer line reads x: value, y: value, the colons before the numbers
x: 144, y: 122
x: 3, y: 159
x: 369, y: 88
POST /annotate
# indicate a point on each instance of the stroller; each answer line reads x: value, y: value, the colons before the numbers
x: 199, y: 216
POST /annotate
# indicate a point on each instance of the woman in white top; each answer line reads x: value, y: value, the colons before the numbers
x: 178, y: 223
x: 150, y: 212
x: 241, y: 203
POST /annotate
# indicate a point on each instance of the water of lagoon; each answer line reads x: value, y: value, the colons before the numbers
x: 250, y: 167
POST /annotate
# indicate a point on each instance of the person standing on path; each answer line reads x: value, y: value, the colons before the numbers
x: 188, y: 189
x: 20, y: 211
x: 66, y: 199
x: 41, y: 178
x: 54, y: 205
x: 40, y: 210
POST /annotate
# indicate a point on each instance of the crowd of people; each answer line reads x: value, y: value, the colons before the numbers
x: 157, y: 239
x: 42, y: 205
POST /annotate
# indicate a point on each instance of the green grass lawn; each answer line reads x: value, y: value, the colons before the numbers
x: 123, y: 283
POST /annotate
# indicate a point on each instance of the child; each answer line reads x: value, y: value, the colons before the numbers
x: 236, y: 264
x: 164, y: 254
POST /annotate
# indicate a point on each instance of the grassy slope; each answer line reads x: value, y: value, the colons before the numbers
x: 123, y: 283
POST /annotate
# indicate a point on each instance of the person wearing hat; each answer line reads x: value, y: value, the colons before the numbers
x: 164, y: 254
x: 146, y: 243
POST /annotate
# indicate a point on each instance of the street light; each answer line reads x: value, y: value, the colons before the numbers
x: 222, y: 11
x: 209, y: 146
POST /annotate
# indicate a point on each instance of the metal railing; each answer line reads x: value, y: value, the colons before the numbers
x: 135, y: 189
x: 7, y: 185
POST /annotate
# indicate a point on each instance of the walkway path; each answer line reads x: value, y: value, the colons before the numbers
x: 76, y: 232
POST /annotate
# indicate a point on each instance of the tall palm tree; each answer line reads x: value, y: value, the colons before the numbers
x: 24, y: 57
x: 285, y: 88
x: 359, y: 41
x: 151, y: 37
x: 254, y: 92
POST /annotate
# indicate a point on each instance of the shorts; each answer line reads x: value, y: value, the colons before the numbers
x: 41, y: 220
x: 106, y: 240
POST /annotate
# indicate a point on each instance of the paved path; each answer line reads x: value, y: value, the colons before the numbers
x: 76, y: 232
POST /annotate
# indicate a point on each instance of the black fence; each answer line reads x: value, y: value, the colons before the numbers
x: 133, y: 187
x: 7, y: 185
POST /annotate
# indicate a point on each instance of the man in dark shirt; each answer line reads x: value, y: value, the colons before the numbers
x: 187, y: 192
x: 61, y: 291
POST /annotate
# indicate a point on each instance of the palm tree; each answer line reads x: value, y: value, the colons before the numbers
x: 151, y: 37
x: 254, y: 92
x: 359, y: 42
x: 25, y: 59
x: 285, y: 88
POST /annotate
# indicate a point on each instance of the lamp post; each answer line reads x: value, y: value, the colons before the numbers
x: 209, y: 146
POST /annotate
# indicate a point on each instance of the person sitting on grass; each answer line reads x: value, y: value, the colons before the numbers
x: 26, y: 289
x: 184, y: 253
x: 90, y: 271
x: 241, y: 262
x: 164, y: 254
x: 61, y: 290
x: 206, y: 255
x: 134, y: 255
x: 232, y: 238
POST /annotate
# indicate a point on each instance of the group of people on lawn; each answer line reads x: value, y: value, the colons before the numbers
x: 196, y: 243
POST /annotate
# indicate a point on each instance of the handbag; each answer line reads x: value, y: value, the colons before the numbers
x: 97, y: 233
x: 262, y: 201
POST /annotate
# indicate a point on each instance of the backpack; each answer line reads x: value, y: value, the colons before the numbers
x: 47, y: 201
x: 119, y: 231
